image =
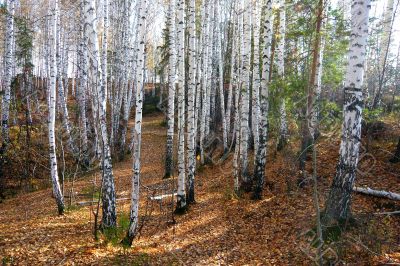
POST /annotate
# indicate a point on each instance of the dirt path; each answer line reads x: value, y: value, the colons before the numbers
x: 218, y: 230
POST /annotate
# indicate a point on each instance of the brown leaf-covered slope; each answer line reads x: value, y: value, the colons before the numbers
x: 219, y: 229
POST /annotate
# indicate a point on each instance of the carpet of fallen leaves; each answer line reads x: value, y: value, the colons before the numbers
x: 220, y: 229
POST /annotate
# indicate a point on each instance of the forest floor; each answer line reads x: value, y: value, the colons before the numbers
x: 220, y: 229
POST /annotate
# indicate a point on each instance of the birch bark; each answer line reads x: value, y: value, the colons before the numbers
x: 339, y: 199
x: 137, y: 131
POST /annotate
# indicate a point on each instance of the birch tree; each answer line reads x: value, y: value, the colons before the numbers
x: 221, y: 76
x: 261, y: 152
x: 280, y: 56
x: 255, y: 104
x: 171, y: 91
x: 337, y: 206
x: 52, y: 112
x: 181, y: 194
x: 61, y: 90
x: 9, y: 46
x: 245, y: 84
x: 388, y: 20
x: 109, y: 218
x: 191, y: 144
x: 137, y: 131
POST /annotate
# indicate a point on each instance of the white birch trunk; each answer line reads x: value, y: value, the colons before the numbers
x: 261, y: 155
x: 256, y: 79
x: 338, y: 202
x: 171, y: 92
x: 61, y: 92
x: 52, y: 113
x: 221, y: 76
x: 245, y: 82
x: 191, y: 144
x: 137, y: 131
x: 181, y: 193
x: 5, y: 108
x: 109, y: 218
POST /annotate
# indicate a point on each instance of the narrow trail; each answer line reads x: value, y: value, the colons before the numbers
x: 218, y: 230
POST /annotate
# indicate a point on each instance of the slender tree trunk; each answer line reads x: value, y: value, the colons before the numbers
x: 191, y: 144
x: 169, y: 162
x: 230, y: 89
x: 339, y: 200
x: 61, y: 93
x: 280, y: 52
x: 221, y: 76
x: 137, y: 131
x: 314, y: 87
x: 388, y: 20
x: 245, y: 84
x: 5, y: 108
x: 52, y: 113
x: 181, y: 194
x: 205, y: 77
x: 109, y: 218
x: 255, y: 99
x: 82, y: 89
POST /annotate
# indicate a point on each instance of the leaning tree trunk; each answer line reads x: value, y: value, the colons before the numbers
x: 314, y: 85
x: 137, y: 131
x: 52, y: 114
x: 261, y: 153
x: 181, y: 194
x: 388, y: 19
x: 169, y: 164
x: 339, y: 199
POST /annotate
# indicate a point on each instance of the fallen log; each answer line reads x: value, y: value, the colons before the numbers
x: 387, y: 213
x: 161, y: 197
x: 377, y: 193
x: 86, y: 203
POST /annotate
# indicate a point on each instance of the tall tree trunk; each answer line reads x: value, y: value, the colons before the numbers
x: 261, y: 152
x: 81, y: 92
x: 205, y: 77
x: 137, y: 131
x: 231, y: 74
x: 245, y: 84
x: 339, y: 200
x: 388, y: 20
x: 5, y: 108
x: 181, y: 194
x: 52, y: 113
x: 255, y: 99
x: 169, y: 163
x: 314, y: 87
x: 221, y: 76
x: 191, y: 144
x: 280, y: 52
x: 109, y: 218
x: 61, y: 93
